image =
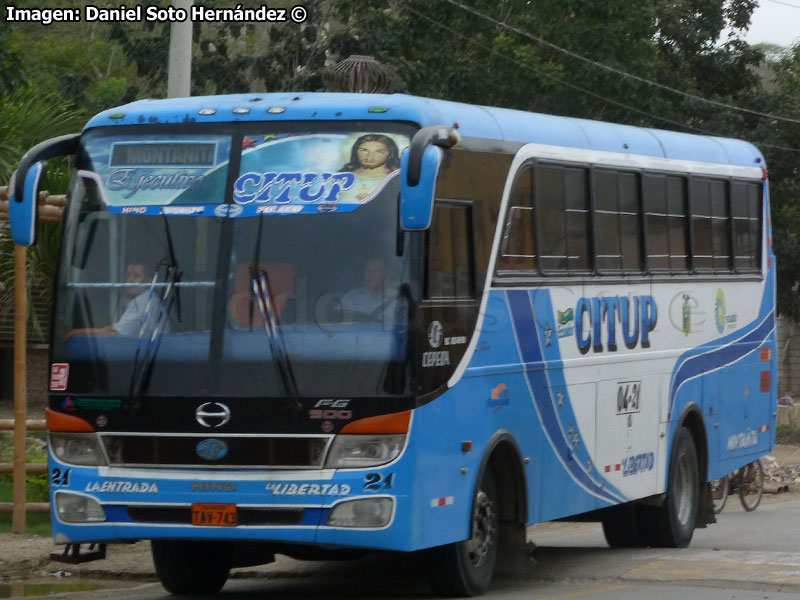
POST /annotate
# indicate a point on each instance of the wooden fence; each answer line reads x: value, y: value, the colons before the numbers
x: 50, y: 209
x: 27, y: 507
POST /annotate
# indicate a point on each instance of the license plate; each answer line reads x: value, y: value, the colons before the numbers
x: 214, y: 515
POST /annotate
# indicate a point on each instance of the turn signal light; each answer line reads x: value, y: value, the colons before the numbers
x: 57, y: 421
x: 393, y: 423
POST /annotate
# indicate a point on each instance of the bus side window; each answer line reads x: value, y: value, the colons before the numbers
x: 562, y: 201
x: 746, y: 214
x: 710, y: 225
x: 616, y: 220
x: 517, y: 248
x: 665, y: 223
x: 450, y: 272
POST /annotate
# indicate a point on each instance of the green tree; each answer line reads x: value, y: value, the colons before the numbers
x: 27, y: 118
x: 11, y: 73
x: 783, y: 158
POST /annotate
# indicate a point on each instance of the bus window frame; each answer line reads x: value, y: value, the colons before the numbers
x: 506, y: 278
x: 472, y: 268
x: 528, y: 166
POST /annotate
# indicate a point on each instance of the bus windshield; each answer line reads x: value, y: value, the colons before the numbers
x: 174, y: 283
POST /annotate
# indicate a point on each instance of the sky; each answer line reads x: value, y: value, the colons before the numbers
x: 775, y: 22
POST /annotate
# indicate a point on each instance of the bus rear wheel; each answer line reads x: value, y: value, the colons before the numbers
x: 465, y: 569
x: 672, y: 524
x: 192, y: 567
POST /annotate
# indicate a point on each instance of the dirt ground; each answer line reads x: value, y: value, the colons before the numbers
x: 25, y: 557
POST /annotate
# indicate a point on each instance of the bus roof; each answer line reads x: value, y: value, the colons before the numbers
x: 474, y: 121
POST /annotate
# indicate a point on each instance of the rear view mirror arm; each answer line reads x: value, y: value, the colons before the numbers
x: 58, y: 146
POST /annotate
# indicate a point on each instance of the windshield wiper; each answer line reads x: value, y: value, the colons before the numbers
x: 261, y: 289
x: 259, y: 283
x: 140, y: 370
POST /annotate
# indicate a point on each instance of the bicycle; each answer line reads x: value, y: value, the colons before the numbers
x: 747, y: 481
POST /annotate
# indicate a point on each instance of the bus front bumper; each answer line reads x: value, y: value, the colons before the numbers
x: 350, y: 508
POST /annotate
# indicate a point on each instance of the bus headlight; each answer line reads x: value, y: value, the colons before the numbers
x: 75, y: 508
x: 77, y: 448
x: 365, y: 512
x: 364, y: 450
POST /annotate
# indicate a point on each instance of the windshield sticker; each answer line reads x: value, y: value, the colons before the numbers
x: 151, y: 171
x: 280, y: 174
x: 316, y: 172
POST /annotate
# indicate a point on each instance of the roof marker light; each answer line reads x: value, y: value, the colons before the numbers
x: 377, y: 109
x: 117, y: 116
x: 276, y: 110
x: 241, y: 110
x: 207, y: 111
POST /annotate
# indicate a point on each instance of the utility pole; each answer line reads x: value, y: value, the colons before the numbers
x: 20, y: 387
x: 179, y: 66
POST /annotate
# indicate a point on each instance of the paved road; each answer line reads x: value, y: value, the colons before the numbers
x: 746, y: 556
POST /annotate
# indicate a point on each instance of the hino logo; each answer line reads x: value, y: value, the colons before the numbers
x: 212, y: 414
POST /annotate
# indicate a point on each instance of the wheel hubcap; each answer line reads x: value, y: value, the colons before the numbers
x: 683, y: 489
x: 484, y: 529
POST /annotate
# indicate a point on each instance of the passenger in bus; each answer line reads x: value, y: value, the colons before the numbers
x: 376, y: 300
x: 134, y: 300
x: 372, y: 158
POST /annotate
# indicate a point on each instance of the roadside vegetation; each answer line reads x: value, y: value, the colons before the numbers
x: 36, y: 488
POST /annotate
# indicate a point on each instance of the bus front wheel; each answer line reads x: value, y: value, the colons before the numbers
x: 192, y: 567
x: 465, y: 568
x: 672, y: 524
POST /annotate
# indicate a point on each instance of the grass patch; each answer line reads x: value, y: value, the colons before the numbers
x: 36, y: 485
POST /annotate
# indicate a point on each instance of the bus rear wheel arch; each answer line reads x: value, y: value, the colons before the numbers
x: 672, y: 522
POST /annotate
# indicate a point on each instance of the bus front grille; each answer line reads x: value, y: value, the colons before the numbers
x: 307, y: 452
x: 182, y: 515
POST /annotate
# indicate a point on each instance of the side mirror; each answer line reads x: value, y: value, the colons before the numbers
x: 23, y: 213
x: 23, y: 205
x: 420, y: 168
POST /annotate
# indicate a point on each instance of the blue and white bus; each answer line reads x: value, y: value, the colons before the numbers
x: 299, y: 323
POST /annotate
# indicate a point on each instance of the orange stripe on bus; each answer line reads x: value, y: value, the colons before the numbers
x: 57, y: 421
x: 394, y: 423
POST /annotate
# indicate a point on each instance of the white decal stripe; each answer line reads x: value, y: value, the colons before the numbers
x: 674, y: 396
x: 538, y: 414
x: 164, y: 475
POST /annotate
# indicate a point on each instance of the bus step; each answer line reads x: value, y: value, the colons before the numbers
x: 74, y: 553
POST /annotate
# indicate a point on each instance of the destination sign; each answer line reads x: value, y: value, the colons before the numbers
x: 162, y: 154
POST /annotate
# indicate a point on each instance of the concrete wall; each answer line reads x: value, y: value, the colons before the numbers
x: 38, y: 380
x: 788, y: 358
x: 789, y: 416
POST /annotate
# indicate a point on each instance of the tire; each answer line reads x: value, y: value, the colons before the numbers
x: 465, y: 569
x: 719, y: 493
x: 751, y: 485
x: 192, y: 567
x: 672, y: 524
x: 622, y: 527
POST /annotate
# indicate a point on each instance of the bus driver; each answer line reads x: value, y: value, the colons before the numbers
x: 135, y: 302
